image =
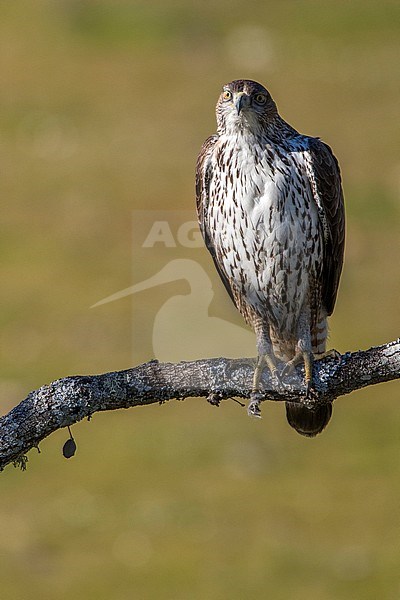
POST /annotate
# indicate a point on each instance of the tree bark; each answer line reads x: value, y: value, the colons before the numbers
x: 71, y: 399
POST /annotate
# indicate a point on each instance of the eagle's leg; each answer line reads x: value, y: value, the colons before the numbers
x: 266, y: 358
x: 301, y: 356
x: 303, y: 352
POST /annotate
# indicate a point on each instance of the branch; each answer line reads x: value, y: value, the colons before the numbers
x: 71, y: 399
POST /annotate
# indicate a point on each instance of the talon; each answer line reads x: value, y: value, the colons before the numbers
x: 307, y: 359
x: 253, y: 410
x: 288, y: 369
x: 311, y: 393
x: 290, y: 366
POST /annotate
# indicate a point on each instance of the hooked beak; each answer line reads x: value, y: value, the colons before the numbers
x: 241, y: 101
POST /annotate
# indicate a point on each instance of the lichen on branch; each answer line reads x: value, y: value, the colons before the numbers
x: 70, y: 399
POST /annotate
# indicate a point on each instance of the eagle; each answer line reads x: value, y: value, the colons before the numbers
x: 271, y: 211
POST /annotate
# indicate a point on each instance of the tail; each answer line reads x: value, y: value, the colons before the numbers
x: 306, y: 421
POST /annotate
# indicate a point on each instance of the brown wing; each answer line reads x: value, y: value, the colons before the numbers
x: 328, y: 195
x: 203, y: 178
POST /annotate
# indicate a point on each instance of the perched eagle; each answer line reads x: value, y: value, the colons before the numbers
x: 271, y: 211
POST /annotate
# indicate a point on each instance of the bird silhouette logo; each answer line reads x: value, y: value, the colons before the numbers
x: 183, y: 328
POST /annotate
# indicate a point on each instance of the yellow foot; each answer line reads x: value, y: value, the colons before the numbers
x: 307, y: 359
x: 263, y: 360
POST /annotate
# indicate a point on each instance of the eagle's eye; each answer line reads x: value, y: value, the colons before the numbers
x: 227, y: 95
x: 260, y: 98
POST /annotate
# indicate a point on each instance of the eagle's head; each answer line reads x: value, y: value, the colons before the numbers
x: 244, y: 105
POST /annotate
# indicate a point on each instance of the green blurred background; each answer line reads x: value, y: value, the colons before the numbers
x: 103, y: 108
